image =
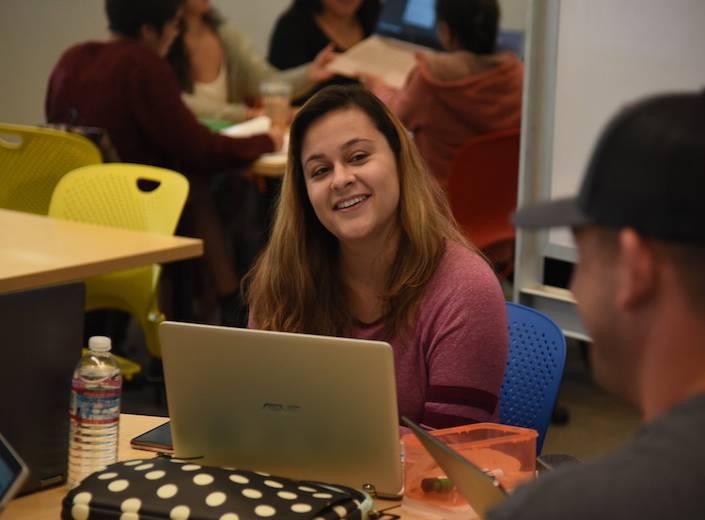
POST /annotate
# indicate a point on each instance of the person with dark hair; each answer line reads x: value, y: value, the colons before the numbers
x: 364, y: 245
x: 311, y: 25
x: 220, y: 72
x: 126, y: 87
x: 640, y: 287
x: 467, y: 90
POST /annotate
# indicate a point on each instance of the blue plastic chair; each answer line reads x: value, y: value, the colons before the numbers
x: 534, y: 370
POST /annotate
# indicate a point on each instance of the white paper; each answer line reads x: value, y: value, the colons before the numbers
x: 377, y: 56
x: 254, y: 126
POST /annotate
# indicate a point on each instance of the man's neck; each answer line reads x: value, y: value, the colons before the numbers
x: 674, y: 364
x: 195, y: 26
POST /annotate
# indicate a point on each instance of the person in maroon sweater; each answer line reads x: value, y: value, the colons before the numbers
x: 126, y: 87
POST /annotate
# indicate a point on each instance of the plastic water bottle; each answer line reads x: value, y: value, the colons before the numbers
x: 94, y: 411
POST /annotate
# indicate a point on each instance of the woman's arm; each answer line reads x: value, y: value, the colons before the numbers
x: 288, y: 45
x: 247, y: 69
x: 209, y: 108
x: 468, y: 346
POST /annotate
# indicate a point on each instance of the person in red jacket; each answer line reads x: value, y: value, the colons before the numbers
x: 467, y: 90
x: 125, y: 86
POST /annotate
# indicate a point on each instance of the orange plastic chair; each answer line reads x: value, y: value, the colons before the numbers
x: 482, y: 190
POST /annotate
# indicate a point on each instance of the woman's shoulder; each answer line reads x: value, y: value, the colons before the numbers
x: 463, y: 271
x: 294, y: 18
x: 460, y: 67
x: 228, y: 33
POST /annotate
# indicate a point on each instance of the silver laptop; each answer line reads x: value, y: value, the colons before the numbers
x: 300, y: 406
x: 482, y: 491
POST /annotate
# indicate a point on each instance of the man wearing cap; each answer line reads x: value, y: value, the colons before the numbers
x: 639, y: 225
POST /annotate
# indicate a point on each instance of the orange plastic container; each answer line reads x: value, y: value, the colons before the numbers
x: 508, y: 452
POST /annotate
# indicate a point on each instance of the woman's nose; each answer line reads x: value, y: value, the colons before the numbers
x: 342, y: 177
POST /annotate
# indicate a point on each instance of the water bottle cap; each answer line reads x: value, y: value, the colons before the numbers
x: 99, y: 344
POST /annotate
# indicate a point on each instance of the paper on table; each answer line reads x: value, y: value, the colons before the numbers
x: 256, y: 125
x: 375, y: 55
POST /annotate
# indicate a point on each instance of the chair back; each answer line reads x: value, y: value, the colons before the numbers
x: 129, y: 196
x: 482, y: 186
x: 537, y: 352
x: 32, y: 160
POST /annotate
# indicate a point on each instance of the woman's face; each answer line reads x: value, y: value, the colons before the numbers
x: 343, y: 8
x: 351, y: 177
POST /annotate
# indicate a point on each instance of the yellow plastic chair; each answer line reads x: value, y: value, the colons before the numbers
x: 114, y: 195
x: 32, y: 160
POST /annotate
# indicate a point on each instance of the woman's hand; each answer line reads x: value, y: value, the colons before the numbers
x: 372, y: 82
x: 317, y: 71
x: 253, y: 112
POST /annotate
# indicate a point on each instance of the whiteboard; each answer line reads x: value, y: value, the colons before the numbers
x: 611, y: 52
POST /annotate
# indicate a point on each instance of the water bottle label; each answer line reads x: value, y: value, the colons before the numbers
x: 91, y: 405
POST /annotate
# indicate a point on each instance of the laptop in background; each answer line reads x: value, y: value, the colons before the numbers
x: 42, y: 335
x: 482, y: 491
x: 412, y: 21
x: 13, y: 473
x: 300, y: 406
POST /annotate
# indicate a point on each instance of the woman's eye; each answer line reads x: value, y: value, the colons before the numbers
x: 319, y: 171
x: 358, y: 157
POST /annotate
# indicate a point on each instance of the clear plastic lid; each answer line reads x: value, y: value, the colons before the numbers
x: 99, y: 344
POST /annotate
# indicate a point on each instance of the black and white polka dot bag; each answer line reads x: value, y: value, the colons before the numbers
x: 164, y: 488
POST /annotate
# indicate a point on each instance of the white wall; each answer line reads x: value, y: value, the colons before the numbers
x: 34, y: 33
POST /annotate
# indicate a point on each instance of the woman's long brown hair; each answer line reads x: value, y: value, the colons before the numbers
x: 296, y: 284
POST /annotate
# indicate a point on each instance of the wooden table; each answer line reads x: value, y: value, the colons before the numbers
x: 36, y: 250
x: 46, y: 505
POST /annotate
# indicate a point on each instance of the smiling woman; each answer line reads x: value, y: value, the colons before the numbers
x: 364, y: 246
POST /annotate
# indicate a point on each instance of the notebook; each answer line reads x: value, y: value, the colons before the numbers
x: 42, y: 331
x: 482, y: 491
x: 299, y: 406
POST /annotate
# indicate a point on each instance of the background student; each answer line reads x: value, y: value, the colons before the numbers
x: 364, y: 246
x: 126, y: 87
x: 219, y: 71
x: 465, y: 91
x: 640, y: 287
x: 308, y: 26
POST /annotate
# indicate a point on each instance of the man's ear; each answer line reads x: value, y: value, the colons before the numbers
x: 636, y: 270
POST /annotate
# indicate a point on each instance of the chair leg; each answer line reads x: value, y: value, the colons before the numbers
x: 560, y: 415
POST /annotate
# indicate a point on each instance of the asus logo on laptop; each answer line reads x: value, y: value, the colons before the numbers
x: 281, y: 408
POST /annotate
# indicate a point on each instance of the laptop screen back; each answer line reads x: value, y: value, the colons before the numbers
x: 42, y: 335
x: 413, y: 21
x: 300, y: 406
